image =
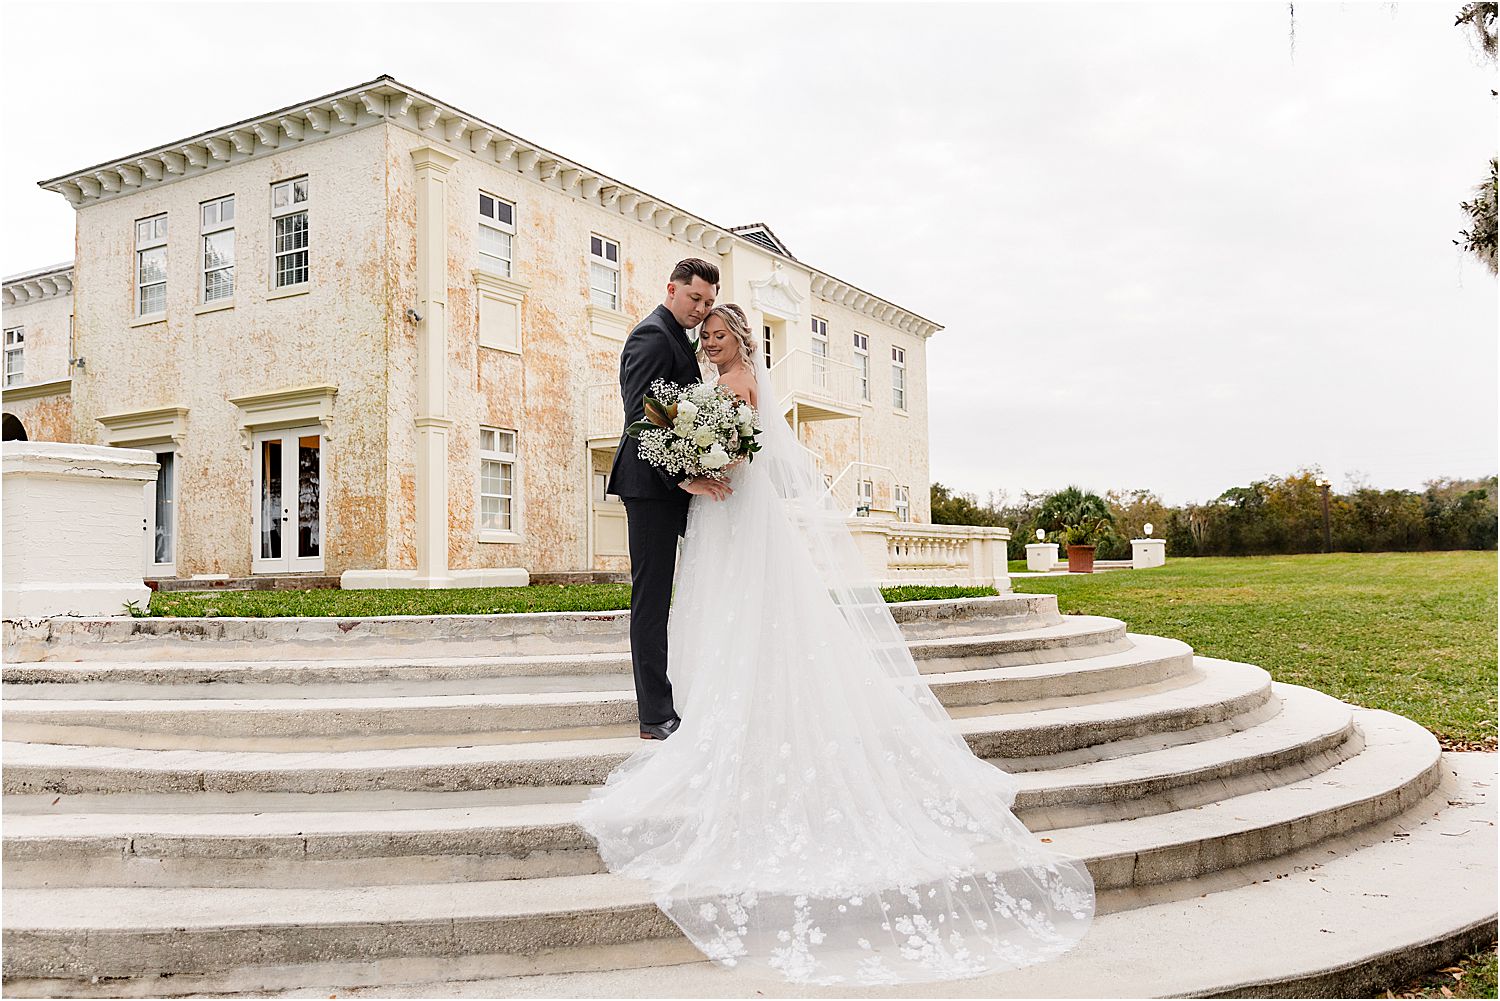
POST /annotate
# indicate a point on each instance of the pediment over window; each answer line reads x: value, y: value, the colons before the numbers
x: 284, y: 408
x: 777, y: 295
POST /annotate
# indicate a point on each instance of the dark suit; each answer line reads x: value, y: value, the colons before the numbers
x: 655, y: 506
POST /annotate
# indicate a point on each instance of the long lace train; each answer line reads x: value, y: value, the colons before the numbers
x: 816, y: 813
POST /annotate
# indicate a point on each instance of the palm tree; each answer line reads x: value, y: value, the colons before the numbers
x: 1081, y: 517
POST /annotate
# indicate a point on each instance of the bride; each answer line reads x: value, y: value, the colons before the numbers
x: 816, y: 813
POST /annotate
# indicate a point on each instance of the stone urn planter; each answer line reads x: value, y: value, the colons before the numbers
x: 1080, y: 559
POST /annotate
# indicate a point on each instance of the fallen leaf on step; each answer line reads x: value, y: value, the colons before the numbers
x: 1047, y: 839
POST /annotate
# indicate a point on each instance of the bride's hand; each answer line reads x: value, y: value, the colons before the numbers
x: 706, y: 487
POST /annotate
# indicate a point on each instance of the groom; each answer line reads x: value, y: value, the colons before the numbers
x: 656, y: 502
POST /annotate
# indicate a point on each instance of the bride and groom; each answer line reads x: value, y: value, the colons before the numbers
x: 804, y: 805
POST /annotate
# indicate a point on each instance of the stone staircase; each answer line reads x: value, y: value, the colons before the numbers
x: 387, y: 804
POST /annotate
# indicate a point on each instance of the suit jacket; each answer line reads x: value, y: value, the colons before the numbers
x: 657, y: 348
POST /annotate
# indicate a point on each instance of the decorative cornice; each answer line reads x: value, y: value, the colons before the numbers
x: 33, y: 286
x: 387, y: 100
x: 508, y: 289
x: 146, y: 427
x: 284, y: 408
x: 36, y: 390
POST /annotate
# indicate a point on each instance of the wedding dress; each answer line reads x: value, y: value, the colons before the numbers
x: 816, y: 814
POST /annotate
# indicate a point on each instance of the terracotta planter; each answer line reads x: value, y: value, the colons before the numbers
x: 1080, y: 559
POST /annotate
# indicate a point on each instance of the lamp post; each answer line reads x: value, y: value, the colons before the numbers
x: 1323, y: 484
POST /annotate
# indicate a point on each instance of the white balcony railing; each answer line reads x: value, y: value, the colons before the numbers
x: 903, y: 553
x: 604, y: 414
x: 807, y: 379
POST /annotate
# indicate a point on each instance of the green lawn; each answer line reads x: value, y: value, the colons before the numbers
x: 1414, y: 633
x: 444, y: 601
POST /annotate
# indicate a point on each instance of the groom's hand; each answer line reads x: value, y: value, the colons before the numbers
x: 717, y: 489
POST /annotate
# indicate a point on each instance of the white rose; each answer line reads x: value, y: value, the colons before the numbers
x: 683, y: 429
x: 687, y: 410
x: 703, y: 438
x: 715, y: 458
x: 747, y: 429
x: 743, y: 413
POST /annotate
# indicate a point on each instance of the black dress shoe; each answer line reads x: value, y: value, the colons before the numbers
x: 660, y: 731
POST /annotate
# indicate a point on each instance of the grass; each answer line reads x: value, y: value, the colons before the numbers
x: 1414, y: 633
x: 1473, y: 976
x: 443, y: 601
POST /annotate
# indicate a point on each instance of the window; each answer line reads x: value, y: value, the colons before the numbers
x: 498, y: 508
x: 765, y: 344
x: 862, y: 363
x: 604, y: 272
x: 216, y: 223
x: 898, y: 378
x: 820, y: 352
x: 15, y: 355
x: 289, y: 225
x: 866, y: 498
x: 497, y: 225
x: 903, y: 503
x: 151, y: 265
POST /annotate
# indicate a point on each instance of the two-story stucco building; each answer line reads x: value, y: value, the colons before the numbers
x: 374, y: 336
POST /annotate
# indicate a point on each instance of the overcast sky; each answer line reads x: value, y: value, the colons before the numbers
x: 1170, y: 250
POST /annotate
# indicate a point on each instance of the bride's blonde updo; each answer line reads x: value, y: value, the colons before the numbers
x: 734, y: 318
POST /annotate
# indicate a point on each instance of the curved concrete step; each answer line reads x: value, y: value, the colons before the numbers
x: 81, y: 932
x: 1211, y: 692
x: 276, y: 638
x: 1071, y: 637
x: 1380, y: 909
x: 177, y: 839
x: 530, y: 703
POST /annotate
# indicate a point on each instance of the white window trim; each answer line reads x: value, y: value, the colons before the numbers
x: 862, y: 364
x: 17, y: 348
x: 205, y: 230
x: 292, y: 207
x: 898, y: 364
x: 503, y: 267
x: 149, y: 243
x: 517, y: 530
x: 605, y: 262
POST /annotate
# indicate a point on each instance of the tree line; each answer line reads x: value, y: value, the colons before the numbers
x: 1277, y: 515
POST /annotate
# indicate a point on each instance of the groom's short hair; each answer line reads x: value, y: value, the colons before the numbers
x: 693, y: 267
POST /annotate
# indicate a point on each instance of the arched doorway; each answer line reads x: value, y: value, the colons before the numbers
x: 11, y: 428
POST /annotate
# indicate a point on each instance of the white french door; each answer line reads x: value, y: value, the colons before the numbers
x: 288, y: 475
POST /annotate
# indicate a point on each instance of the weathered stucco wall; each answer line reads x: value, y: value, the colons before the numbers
x: 46, y: 323
x: 335, y: 333
x: 45, y: 418
x: 541, y: 392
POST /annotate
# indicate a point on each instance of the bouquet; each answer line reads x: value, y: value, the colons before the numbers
x: 696, y: 430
